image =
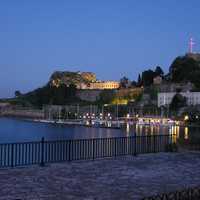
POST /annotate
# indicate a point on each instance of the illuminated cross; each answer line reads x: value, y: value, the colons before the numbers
x: 191, y: 44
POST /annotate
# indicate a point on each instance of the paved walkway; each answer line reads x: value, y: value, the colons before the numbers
x: 123, y: 178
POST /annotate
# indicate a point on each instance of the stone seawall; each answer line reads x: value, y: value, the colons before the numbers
x: 36, y: 114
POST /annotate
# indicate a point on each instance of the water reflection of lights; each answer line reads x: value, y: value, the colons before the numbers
x: 139, y: 129
x: 152, y: 130
x: 136, y: 128
x: 157, y: 129
x: 109, y: 124
x: 127, y: 128
x: 186, y: 135
x: 174, y: 131
x: 146, y: 130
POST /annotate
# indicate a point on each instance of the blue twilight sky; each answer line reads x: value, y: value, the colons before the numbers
x: 112, y: 38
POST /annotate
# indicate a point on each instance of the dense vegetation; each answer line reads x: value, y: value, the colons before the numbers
x: 178, y: 102
x: 185, y: 69
x: 47, y: 95
x: 120, y: 97
x: 149, y: 75
x: 146, y: 79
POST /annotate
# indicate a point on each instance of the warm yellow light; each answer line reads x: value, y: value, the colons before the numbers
x: 177, y: 123
x: 186, y: 117
x: 186, y: 135
x: 127, y: 128
x: 120, y: 101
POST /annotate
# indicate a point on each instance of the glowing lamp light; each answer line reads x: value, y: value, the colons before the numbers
x: 186, y: 117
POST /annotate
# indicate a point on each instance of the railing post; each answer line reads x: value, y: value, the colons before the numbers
x: 93, y: 157
x: 115, y: 140
x: 42, y: 152
x: 135, y: 145
x: 12, y: 155
x: 69, y: 150
x: 154, y: 143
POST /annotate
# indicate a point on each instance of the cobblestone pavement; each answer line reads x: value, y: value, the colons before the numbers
x: 121, y: 178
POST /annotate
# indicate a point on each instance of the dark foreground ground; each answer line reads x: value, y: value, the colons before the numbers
x: 122, y: 178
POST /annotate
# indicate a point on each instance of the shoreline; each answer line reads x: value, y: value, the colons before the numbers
x: 29, y: 114
x: 39, y: 116
x: 80, y: 123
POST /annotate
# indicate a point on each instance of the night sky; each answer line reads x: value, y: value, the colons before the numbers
x: 112, y: 38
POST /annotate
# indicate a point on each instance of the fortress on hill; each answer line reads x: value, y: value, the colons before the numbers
x: 82, y: 81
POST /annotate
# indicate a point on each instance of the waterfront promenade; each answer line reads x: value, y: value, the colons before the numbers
x: 121, y: 178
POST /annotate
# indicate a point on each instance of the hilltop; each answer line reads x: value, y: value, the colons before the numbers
x: 71, y: 78
x: 65, y: 87
x: 186, y: 69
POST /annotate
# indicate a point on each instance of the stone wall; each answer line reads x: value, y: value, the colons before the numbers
x: 88, y: 95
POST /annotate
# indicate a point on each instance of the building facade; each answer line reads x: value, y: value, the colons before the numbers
x: 165, y: 98
x: 82, y: 81
x: 103, y: 85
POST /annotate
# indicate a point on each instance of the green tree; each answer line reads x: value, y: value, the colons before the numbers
x: 184, y: 69
x: 159, y: 71
x: 147, y: 77
x: 178, y: 101
x: 18, y: 93
x: 139, y: 80
x: 50, y: 95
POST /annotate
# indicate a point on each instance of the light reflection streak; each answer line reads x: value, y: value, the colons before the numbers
x: 186, y: 133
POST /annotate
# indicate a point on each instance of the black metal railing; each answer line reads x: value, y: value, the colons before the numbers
x: 193, y: 146
x: 41, y: 152
x: 186, y: 194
